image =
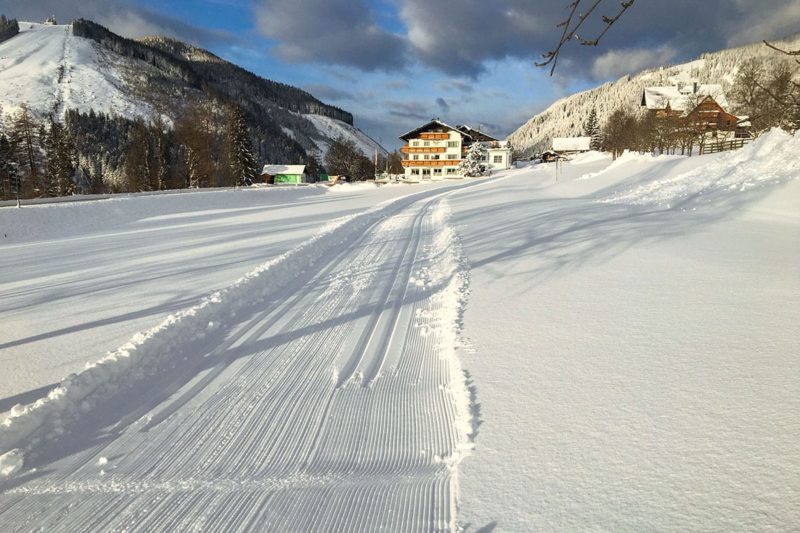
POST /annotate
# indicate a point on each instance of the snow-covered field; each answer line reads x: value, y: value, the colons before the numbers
x: 606, y: 346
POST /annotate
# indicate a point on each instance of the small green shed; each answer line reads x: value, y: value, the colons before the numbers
x: 283, y: 174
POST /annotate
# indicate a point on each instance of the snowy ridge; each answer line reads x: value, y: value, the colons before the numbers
x: 567, y: 116
x: 770, y: 159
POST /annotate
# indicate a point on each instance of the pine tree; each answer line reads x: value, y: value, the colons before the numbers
x: 472, y: 166
x: 592, y: 129
x: 244, y: 169
x: 24, y: 138
x: 9, y: 178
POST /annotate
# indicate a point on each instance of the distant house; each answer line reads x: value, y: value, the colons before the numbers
x: 702, y: 106
x: 283, y: 174
x: 571, y: 145
x: 435, y: 150
x: 51, y: 21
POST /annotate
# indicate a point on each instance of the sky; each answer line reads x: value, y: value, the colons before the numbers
x: 395, y: 64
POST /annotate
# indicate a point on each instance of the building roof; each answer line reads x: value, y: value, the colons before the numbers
x: 435, y: 123
x: 477, y: 135
x: 572, y: 144
x: 681, y: 97
x: 274, y: 170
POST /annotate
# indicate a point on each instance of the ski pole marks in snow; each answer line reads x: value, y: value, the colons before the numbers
x: 261, y: 436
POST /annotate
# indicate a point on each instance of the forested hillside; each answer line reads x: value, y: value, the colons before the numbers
x: 146, y: 114
x: 567, y: 116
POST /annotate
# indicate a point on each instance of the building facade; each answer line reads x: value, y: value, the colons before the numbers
x: 435, y: 150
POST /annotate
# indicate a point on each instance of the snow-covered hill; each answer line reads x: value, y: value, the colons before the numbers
x: 566, y: 117
x: 51, y: 70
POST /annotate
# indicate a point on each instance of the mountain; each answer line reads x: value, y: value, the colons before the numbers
x: 567, y: 116
x: 85, y: 67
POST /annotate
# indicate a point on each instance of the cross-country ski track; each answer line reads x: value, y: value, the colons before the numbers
x: 322, y: 392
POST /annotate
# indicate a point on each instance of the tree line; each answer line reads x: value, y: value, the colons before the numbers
x: 8, y: 28
x: 88, y: 153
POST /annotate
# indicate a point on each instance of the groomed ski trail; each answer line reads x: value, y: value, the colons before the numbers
x: 335, y: 403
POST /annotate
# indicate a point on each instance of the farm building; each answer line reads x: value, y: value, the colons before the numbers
x: 283, y: 174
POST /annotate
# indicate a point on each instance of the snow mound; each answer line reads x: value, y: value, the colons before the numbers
x: 592, y: 156
x: 11, y: 463
x: 772, y: 158
x: 627, y: 159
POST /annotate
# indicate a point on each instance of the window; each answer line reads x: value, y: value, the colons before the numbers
x: 498, y: 159
x: 437, y: 172
x: 452, y: 144
x: 452, y: 156
x: 435, y: 156
x: 415, y: 172
x: 416, y: 157
x: 427, y: 156
x: 426, y: 172
x: 415, y: 143
x: 452, y: 171
x: 426, y: 143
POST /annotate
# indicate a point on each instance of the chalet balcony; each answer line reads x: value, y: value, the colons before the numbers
x: 432, y: 163
x: 423, y: 150
x: 434, y: 136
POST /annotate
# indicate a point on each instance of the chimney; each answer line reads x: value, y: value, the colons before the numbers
x: 695, y: 86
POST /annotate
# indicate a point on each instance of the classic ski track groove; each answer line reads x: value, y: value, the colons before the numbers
x: 315, y: 414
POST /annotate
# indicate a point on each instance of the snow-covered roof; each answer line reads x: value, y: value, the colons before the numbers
x: 433, y: 123
x: 681, y: 97
x: 572, y: 144
x: 274, y: 170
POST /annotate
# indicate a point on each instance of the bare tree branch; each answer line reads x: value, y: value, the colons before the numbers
x: 787, y: 52
x: 571, y: 26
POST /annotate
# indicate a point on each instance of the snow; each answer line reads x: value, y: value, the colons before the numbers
x: 530, y: 351
x: 11, y: 462
x: 332, y: 129
x: 635, y: 365
x: 48, y: 68
x: 571, y: 144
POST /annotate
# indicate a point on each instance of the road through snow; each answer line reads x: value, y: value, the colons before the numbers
x: 334, y: 403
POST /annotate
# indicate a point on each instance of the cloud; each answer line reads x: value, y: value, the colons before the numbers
x: 456, y: 85
x: 478, y: 32
x: 328, y: 93
x: 444, y: 107
x: 615, y: 63
x: 412, y: 109
x: 120, y: 17
x: 342, y: 32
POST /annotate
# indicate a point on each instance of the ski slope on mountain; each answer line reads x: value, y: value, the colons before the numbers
x: 598, y: 345
x: 51, y: 71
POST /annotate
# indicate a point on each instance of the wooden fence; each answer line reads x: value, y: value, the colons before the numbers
x: 723, y: 146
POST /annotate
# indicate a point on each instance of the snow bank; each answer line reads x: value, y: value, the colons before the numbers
x: 11, y: 462
x: 150, y: 352
x: 772, y: 158
x: 629, y: 159
x: 589, y: 157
